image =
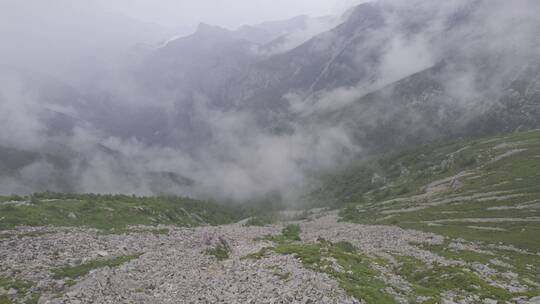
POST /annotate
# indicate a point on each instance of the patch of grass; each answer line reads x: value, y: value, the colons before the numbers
x: 220, y: 251
x: 433, y: 280
x: 522, y: 235
x: 12, y: 198
x: 460, y: 255
x: 161, y: 231
x: 34, y: 299
x: 74, y: 272
x: 527, y: 266
x: 5, y: 300
x: 460, y: 197
x: 345, y: 246
x: 340, y: 260
x: 23, y: 235
x: 110, y: 212
x: 264, y: 252
x: 290, y: 233
x: 22, y: 287
x: 352, y: 271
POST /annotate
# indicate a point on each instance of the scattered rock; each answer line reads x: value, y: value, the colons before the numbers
x: 12, y: 292
x: 174, y: 268
x: 102, y: 253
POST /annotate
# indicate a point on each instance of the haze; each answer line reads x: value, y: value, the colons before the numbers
x: 137, y: 97
x: 186, y: 14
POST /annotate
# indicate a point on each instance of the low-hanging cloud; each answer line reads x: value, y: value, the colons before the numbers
x: 238, y: 158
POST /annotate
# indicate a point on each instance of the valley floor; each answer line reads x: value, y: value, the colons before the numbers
x: 317, y: 260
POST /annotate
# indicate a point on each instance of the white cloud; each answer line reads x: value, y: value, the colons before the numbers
x: 228, y: 13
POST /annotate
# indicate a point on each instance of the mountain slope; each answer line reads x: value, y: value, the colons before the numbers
x: 481, y: 195
x: 429, y: 64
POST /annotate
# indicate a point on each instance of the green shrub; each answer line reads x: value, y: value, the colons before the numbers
x: 221, y: 251
x: 291, y: 232
x: 74, y: 272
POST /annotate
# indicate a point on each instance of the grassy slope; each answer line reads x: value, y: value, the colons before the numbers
x: 74, y: 272
x: 367, y: 277
x: 485, y: 193
x: 112, y: 211
x: 480, y: 185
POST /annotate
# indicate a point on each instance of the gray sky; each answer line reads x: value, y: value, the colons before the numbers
x: 228, y: 13
x: 50, y: 34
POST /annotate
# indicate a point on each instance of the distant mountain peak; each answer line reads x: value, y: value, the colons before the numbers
x: 206, y: 29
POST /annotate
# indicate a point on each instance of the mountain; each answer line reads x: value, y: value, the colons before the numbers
x: 291, y: 33
x: 389, y: 75
x: 416, y: 79
x: 254, y: 34
x: 454, y: 86
x: 284, y: 27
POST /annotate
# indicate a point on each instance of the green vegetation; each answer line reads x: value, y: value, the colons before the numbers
x: 157, y: 232
x: 527, y: 266
x: 221, y: 251
x: 15, y: 284
x: 264, y: 252
x: 12, y: 198
x: 445, y: 189
x: 114, y: 211
x: 482, y: 194
x: 433, y: 280
x: 290, y: 233
x: 353, y: 272
x: 22, y: 235
x: 486, y: 192
x: 361, y: 276
x: 340, y: 260
x: 22, y: 288
x: 74, y: 272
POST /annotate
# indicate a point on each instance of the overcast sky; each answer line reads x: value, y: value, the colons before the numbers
x: 47, y: 33
x: 228, y: 13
